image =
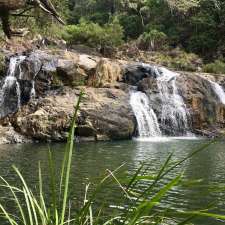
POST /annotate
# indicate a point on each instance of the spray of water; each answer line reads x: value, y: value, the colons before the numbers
x: 174, y: 115
x: 147, y: 121
x: 219, y: 91
x: 11, y: 79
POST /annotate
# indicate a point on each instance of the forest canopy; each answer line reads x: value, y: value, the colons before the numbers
x: 196, y: 26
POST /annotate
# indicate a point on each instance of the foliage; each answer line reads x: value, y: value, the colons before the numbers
x: 196, y: 25
x: 217, y: 67
x: 179, y: 60
x: 131, y: 24
x: 152, y: 40
x: 94, y: 35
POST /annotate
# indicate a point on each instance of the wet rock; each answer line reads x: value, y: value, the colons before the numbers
x: 9, y: 136
x: 135, y: 73
x: 203, y: 103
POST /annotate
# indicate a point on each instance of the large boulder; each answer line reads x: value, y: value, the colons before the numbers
x: 206, y: 109
x: 105, y: 114
x: 106, y: 72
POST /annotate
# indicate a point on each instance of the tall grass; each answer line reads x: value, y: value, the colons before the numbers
x: 138, y: 205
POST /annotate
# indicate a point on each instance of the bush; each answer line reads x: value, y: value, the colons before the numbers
x: 216, y: 67
x: 132, y: 25
x: 152, y: 40
x: 94, y: 35
x: 175, y: 59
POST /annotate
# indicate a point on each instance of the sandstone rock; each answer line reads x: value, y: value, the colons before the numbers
x: 106, y: 72
x: 70, y: 74
x: 9, y: 136
x: 205, y: 107
x: 104, y: 114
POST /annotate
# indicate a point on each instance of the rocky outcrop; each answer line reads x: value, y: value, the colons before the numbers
x: 104, y: 115
x: 205, y: 107
x: 58, y: 76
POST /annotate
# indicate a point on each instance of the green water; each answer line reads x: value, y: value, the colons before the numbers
x: 90, y: 161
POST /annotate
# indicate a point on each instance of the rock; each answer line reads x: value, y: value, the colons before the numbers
x: 70, y: 74
x: 205, y: 107
x: 9, y: 136
x: 104, y: 114
x: 106, y: 72
x: 135, y: 73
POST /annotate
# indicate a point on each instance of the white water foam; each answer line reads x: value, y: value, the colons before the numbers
x: 174, y: 111
x: 219, y: 91
x: 147, y: 121
x: 174, y: 114
x: 11, y: 79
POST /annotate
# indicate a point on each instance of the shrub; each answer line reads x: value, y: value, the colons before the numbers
x: 132, y: 25
x: 216, y: 67
x: 175, y: 59
x: 152, y: 40
x: 94, y: 35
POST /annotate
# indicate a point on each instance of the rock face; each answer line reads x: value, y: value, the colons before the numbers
x: 208, y: 112
x: 57, y: 78
x: 104, y: 115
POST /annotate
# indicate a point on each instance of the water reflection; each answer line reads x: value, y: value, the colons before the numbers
x: 91, y: 160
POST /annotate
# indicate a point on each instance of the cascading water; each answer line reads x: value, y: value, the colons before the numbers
x: 147, y: 121
x: 219, y: 91
x: 11, y: 81
x: 15, y: 88
x: 174, y: 115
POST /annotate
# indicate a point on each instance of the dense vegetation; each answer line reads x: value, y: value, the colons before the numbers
x: 196, y: 26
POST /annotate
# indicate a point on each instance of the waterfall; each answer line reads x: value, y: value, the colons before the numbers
x: 146, y: 118
x: 11, y: 80
x: 219, y: 91
x: 174, y: 115
x: 33, y: 92
x: 173, y: 118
